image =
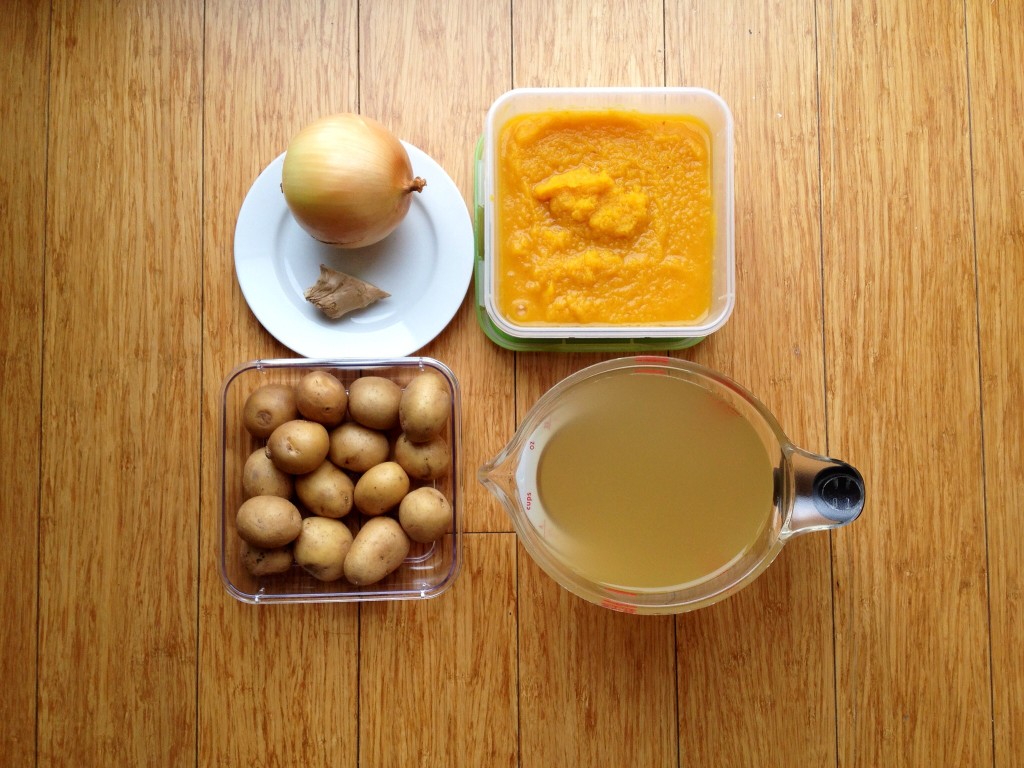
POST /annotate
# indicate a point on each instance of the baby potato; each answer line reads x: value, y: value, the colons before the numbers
x: 378, y: 549
x: 326, y: 491
x: 320, y: 397
x: 357, y: 448
x: 298, y: 446
x: 425, y: 515
x: 424, y: 407
x: 260, y: 477
x: 265, y: 562
x: 322, y: 547
x: 373, y: 402
x: 422, y: 461
x: 267, y: 408
x: 381, y: 488
x: 268, y: 521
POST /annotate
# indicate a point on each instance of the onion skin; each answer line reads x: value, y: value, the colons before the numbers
x: 348, y: 181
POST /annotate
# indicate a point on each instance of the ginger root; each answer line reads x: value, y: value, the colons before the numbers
x: 336, y: 294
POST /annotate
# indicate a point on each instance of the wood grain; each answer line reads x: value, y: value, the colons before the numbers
x: 761, y: 663
x: 912, y: 645
x: 879, y: 241
x: 120, y: 465
x: 24, y: 63
x: 278, y: 686
x: 997, y: 102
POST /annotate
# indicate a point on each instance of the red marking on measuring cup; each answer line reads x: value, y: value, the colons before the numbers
x: 615, y: 605
x: 651, y: 360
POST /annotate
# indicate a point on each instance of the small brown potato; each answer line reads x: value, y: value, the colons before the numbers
x: 422, y: 461
x: 322, y: 547
x: 298, y: 446
x: 267, y: 408
x: 268, y: 521
x: 373, y: 402
x: 357, y: 448
x: 378, y: 549
x: 265, y: 562
x: 320, y: 397
x: 326, y: 491
x: 425, y: 515
x: 424, y: 407
x: 260, y: 477
x: 381, y: 488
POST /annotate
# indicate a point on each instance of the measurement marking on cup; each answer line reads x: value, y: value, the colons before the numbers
x: 529, y: 501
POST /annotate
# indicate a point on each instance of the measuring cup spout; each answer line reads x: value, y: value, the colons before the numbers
x: 498, y: 477
x: 823, y: 493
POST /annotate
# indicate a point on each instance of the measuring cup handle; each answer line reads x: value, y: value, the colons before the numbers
x: 825, y: 493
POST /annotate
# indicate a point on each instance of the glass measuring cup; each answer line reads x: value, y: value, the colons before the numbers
x: 661, y: 493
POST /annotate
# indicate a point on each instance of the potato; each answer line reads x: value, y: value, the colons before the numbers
x: 265, y: 562
x: 267, y: 408
x: 424, y: 407
x: 373, y: 402
x: 381, y: 488
x: 261, y: 478
x: 320, y: 397
x: 422, y: 461
x: 378, y: 549
x: 425, y: 515
x: 326, y: 491
x: 298, y: 446
x: 322, y: 547
x: 268, y: 521
x: 357, y: 448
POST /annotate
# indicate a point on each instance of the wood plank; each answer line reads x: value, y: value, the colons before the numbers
x: 277, y: 685
x: 438, y: 678
x: 602, y: 43
x: 761, y: 662
x: 596, y: 687
x: 912, y: 644
x: 997, y: 102
x: 120, y: 475
x: 430, y: 71
x: 24, y: 40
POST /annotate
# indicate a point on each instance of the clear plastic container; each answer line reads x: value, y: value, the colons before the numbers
x: 428, y: 571
x: 694, y: 102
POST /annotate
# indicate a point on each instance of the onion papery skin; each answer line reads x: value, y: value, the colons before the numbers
x: 347, y: 180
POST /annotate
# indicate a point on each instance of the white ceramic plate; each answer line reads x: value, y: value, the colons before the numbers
x: 425, y: 264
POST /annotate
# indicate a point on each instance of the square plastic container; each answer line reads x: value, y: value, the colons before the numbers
x: 428, y: 571
x: 698, y: 103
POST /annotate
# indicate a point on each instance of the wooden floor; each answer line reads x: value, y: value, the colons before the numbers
x: 880, y: 250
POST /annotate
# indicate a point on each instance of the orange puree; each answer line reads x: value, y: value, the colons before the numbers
x: 604, y: 218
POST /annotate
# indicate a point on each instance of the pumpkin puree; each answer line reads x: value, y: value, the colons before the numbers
x: 604, y: 218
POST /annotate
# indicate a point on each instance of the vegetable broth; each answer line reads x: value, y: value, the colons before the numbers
x: 650, y: 481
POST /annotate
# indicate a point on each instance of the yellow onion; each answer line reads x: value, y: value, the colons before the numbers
x: 348, y: 180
